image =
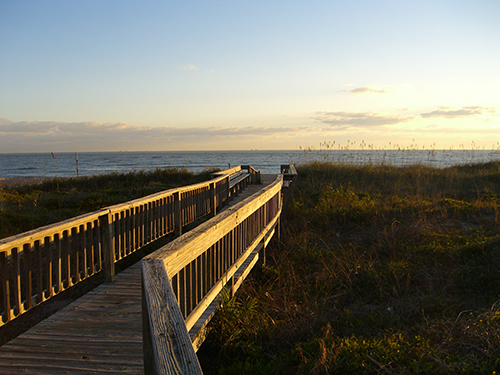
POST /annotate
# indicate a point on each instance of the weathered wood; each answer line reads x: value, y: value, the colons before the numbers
x: 99, y: 333
x: 229, y: 243
x: 178, y: 253
x: 195, y: 314
x: 106, y: 224
x: 168, y: 348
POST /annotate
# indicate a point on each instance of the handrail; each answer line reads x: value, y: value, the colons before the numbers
x: 183, y: 278
x: 41, y: 263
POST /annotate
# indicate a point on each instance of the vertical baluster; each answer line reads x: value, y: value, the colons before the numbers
x: 158, y: 219
x: 76, y: 254
x: 149, y: 221
x: 242, y: 239
x: 125, y: 230
x: 67, y: 258
x: 203, y: 273
x: 221, y: 259
x: 28, y: 277
x: 98, y: 245
x: 167, y: 214
x: 237, y: 240
x: 162, y: 217
x: 191, y: 204
x: 133, y: 229
x: 170, y: 214
x: 216, y: 262
x: 47, y: 244
x: 154, y: 234
x: 152, y: 220
x: 108, y: 251
x: 57, y: 266
x: 83, y: 244
x: 194, y: 208
x: 123, y: 235
x: 17, y: 281
x: 146, y: 224
x: 225, y: 253
x: 128, y: 235
x: 91, y: 248
x: 7, y: 313
x: 190, y: 288
x: 117, y: 236
x: 178, y: 213
x: 39, y: 273
x: 182, y: 292
x: 231, y: 245
x: 208, y: 265
x: 141, y: 225
x: 198, y: 280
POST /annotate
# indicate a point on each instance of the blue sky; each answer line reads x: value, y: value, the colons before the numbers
x: 222, y: 75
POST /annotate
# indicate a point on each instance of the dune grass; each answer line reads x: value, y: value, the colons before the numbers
x: 380, y: 270
x: 31, y: 206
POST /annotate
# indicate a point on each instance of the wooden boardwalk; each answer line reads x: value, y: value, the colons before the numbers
x: 100, y: 333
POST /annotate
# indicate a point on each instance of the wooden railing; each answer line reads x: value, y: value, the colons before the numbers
x: 182, y: 280
x: 39, y: 264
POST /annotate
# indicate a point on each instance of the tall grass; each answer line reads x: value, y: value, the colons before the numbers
x: 380, y: 270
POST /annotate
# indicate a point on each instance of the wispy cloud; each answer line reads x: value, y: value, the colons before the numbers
x: 189, y: 67
x: 471, y: 111
x: 370, y: 90
x: 360, y: 119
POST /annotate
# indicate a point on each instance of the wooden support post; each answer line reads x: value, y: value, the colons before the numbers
x: 108, y: 267
x: 178, y: 213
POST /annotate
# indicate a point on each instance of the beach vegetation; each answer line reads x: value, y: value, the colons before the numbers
x: 380, y: 269
x: 29, y: 206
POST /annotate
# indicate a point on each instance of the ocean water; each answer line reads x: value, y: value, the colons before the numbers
x: 94, y: 163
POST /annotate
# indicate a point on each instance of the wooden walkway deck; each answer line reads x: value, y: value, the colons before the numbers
x: 100, y: 333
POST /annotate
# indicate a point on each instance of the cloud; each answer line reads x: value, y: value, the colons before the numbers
x: 368, y: 90
x: 471, y: 111
x: 360, y: 119
x: 95, y: 136
x: 189, y: 67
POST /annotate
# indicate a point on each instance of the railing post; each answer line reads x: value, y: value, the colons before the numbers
x: 213, y: 199
x: 108, y: 251
x: 227, y: 190
x: 178, y: 213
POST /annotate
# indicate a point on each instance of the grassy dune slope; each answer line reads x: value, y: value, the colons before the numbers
x: 380, y: 270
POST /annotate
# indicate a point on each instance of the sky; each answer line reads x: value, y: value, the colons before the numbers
x: 125, y: 75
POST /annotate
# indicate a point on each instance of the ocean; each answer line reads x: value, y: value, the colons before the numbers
x: 94, y: 163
